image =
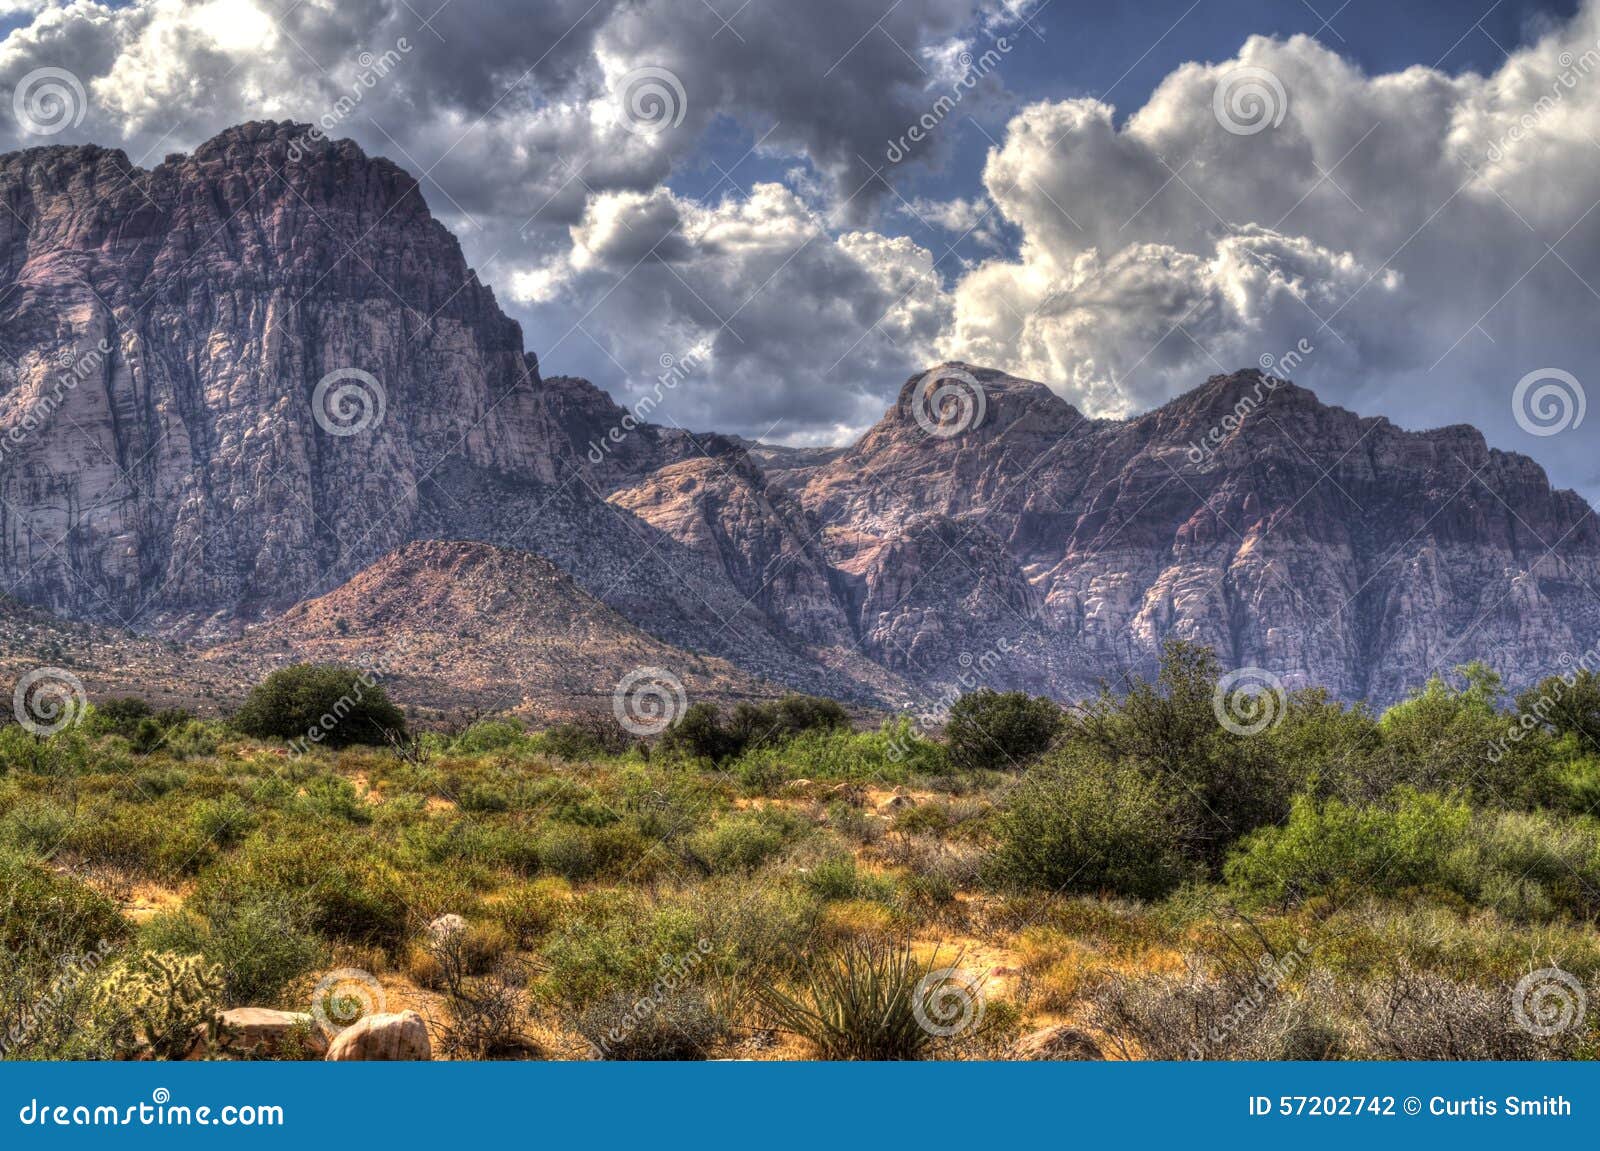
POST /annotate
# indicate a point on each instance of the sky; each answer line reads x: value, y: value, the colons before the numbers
x: 807, y: 203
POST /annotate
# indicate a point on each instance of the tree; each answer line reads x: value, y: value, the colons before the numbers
x: 988, y: 728
x: 329, y: 704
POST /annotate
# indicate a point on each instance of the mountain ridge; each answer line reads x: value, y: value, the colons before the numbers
x: 188, y: 483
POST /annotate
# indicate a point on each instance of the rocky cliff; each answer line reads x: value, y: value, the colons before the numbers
x: 232, y: 382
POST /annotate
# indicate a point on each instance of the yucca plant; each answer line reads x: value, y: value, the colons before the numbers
x: 859, y: 1000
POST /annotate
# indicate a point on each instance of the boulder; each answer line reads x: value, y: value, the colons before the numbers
x: 446, y: 925
x: 397, y: 1037
x: 262, y: 1033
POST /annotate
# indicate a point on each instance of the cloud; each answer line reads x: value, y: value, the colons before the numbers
x: 1434, y: 237
x: 771, y: 303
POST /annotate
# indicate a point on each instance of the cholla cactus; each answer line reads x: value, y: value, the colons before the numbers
x: 158, y: 1005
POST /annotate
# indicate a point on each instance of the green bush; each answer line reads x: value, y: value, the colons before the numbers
x: 1078, y: 823
x: 351, y: 892
x: 892, y: 754
x: 701, y: 732
x: 1333, y: 845
x: 741, y: 842
x: 259, y: 946
x: 321, y: 704
x: 489, y: 735
x: 992, y: 729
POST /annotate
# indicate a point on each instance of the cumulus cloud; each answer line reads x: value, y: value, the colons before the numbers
x: 795, y: 331
x: 1434, y: 237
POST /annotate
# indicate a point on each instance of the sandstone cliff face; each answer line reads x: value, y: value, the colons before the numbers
x: 1330, y: 549
x: 168, y: 334
x: 164, y: 466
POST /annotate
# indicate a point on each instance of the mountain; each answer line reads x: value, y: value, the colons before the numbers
x: 456, y: 627
x: 243, y: 390
x: 1287, y: 534
x: 235, y: 380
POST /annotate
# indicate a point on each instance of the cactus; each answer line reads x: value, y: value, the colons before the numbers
x: 158, y: 1005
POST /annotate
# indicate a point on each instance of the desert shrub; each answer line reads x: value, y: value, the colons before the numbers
x: 258, y: 946
x: 566, y: 851
x: 38, y: 905
x: 484, y: 1009
x: 699, y: 734
x: 1217, y: 1012
x: 889, y: 755
x: 860, y: 999
x: 488, y: 735
x: 590, y: 738
x: 37, y: 826
x: 1222, y: 783
x: 191, y: 739
x: 477, y: 949
x: 1426, y: 1016
x: 756, y: 724
x: 702, y: 732
x: 223, y: 821
x: 486, y: 798
x: 527, y: 911
x: 988, y: 728
x: 334, y: 797
x: 327, y: 704
x: 740, y: 842
x: 678, y: 1024
x: 56, y: 932
x: 1450, y: 736
x: 610, y: 940
x: 839, y: 877
x: 1078, y: 823
x: 1329, y: 846
x: 755, y: 928
x: 1530, y: 865
x: 350, y: 892
x: 119, y: 716
x: 147, y: 838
